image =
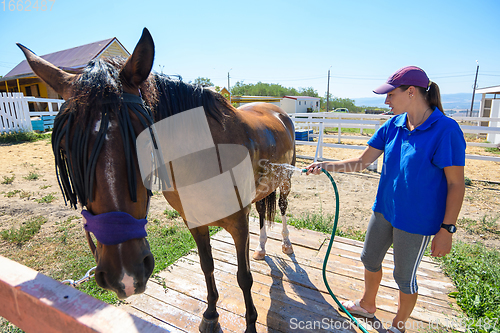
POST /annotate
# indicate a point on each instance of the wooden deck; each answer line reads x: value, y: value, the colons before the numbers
x: 288, y: 291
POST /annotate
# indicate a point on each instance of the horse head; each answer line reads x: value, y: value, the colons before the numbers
x: 94, y: 145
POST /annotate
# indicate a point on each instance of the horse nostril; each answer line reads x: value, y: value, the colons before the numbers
x: 100, y: 279
x: 149, y: 265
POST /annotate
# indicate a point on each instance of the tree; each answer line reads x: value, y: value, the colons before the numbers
x: 337, y: 102
x: 269, y: 89
x: 203, y: 81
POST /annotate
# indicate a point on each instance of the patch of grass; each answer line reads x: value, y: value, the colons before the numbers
x: 492, y: 150
x: 316, y: 222
x: 25, y: 232
x: 6, y: 327
x: 10, y: 194
x: 25, y: 194
x: 322, y: 223
x: 8, y: 180
x: 486, y: 225
x: 18, y: 137
x: 331, y: 130
x: 171, y: 214
x: 47, y: 199
x: 351, y: 233
x: 170, y: 242
x: 43, y: 187
x: 468, y: 181
x: 475, y: 271
x: 33, y: 175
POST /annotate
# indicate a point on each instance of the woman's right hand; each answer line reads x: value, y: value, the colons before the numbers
x: 315, y: 168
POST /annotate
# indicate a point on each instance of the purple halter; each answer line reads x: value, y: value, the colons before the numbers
x: 114, y: 227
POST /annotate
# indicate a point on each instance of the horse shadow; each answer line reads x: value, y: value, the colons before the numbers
x: 305, y: 309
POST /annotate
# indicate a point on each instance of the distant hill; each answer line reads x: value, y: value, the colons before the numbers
x: 456, y: 102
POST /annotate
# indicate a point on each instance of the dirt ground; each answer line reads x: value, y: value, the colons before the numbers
x: 310, y: 194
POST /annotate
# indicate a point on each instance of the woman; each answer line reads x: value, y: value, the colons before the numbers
x: 420, y: 191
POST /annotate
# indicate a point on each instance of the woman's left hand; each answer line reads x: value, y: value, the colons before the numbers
x: 441, y: 243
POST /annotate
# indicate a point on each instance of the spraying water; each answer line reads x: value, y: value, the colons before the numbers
x: 284, y: 170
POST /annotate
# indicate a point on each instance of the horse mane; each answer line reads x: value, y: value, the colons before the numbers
x: 175, y: 96
x: 98, y: 95
x: 97, y: 98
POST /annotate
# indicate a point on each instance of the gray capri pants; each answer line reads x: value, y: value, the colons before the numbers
x: 408, y: 251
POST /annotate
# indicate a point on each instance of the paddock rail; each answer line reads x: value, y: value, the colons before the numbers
x: 319, y: 121
x: 37, y: 303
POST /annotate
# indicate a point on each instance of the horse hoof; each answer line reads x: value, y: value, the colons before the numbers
x: 287, y: 249
x: 259, y: 255
x: 210, y: 325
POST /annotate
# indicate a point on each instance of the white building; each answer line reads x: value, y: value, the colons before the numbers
x: 490, y: 107
x: 300, y: 104
x: 241, y: 100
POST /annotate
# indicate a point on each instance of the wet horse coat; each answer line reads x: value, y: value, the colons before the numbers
x: 96, y: 107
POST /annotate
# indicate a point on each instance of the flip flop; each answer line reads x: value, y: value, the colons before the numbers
x: 393, y: 329
x: 356, y: 309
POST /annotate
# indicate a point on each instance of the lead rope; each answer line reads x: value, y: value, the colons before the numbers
x: 86, y: 278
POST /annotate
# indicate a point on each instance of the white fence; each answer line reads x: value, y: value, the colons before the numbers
x: 15, y: 114
x: 319, y: 121
x: 39, y: 103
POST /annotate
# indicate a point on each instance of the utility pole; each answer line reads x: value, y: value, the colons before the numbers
x: 228, y: 86
x: 328, y: 90
x: 474, y: 89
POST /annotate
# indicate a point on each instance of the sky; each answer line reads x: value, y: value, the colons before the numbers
x: 292, y: 43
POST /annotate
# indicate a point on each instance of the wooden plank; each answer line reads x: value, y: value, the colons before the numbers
x: 427, y: 268
x: 285, y: 287
x: 268, y: 285
x: 301, y: 237
x: 274, y: 293
x: 344, y: 265
x: 191, y: 304
x: 311, y: 277
x: 272, y: 312
x: 143, y: 314
x: 437, y: 304
x: 37, y: 303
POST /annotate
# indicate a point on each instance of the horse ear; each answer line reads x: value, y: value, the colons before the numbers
x: 58, y: 79
x: 138, y: 66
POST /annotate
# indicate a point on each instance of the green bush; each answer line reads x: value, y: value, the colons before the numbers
x: 475, y: 270
x: 17, y: 137
x: 25, y: 232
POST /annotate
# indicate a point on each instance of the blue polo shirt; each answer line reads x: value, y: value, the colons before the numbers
x: 412, y: 189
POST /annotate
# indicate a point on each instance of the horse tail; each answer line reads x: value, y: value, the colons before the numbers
x: 270, y: 204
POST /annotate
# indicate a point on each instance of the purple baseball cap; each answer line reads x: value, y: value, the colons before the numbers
x: 406, y: 76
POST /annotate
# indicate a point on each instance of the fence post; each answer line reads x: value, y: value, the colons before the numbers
x: 14, y: 113
x: 339, y: 129
x: 319, y: 146
x: 374, y: 165
x: 24, y: 114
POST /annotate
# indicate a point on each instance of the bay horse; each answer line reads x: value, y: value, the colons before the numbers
x: 107, y: 106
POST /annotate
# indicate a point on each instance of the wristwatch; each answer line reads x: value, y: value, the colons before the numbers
x: 450, y: 227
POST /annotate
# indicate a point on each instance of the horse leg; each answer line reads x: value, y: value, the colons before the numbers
x: 210, y: 320
x: 260, y: 251
x: 286, y: 245
x: 242, y: 243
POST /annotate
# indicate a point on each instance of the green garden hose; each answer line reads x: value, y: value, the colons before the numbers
x: 327, y: 255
